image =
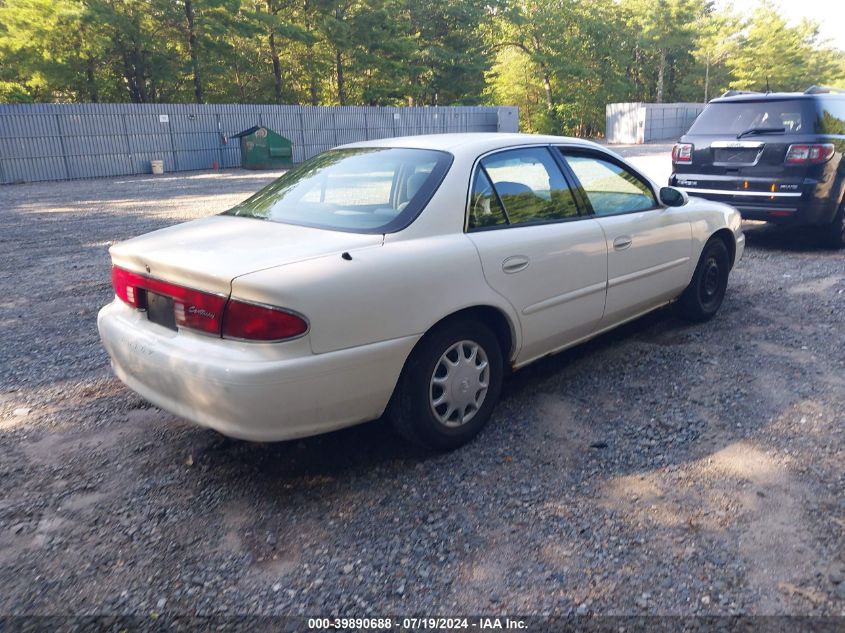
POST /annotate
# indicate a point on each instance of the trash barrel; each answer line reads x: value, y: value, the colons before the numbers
x: 157, y: 166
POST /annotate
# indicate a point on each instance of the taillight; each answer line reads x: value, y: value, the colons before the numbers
x: 210, y: 313
x: 197, y: 310
x: 682, y: 153
x: 803, y: 154
x: 255, y: 322
x: 193, y: 309
x: 126, y: 288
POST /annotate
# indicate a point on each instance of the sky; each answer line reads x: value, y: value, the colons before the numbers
x: 830, y: 14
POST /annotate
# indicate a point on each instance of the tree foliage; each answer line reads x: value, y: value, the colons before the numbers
x: 560, y: 61
x: 779, y: 56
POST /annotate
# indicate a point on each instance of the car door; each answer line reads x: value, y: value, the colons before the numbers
x: 536, y: 250
x: 648, y: 246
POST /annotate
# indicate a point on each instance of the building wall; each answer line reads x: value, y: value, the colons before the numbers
x: 67, y: 141
x: 645, y: 122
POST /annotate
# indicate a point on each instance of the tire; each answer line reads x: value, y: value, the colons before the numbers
x: 834, y: 233
x: 425, y: 380
x: 703, y: 297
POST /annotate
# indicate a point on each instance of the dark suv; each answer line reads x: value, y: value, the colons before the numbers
x: 775, y: 157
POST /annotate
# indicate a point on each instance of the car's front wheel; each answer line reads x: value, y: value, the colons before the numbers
x: 449, y: 386
x: 703, y: 297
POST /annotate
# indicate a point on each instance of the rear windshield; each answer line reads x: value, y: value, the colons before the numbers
x: 831, y: 116
x: 363, y: 190
x: 794, y: 116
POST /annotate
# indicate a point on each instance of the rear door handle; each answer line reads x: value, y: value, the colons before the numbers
x: 622, y: 242
x: 515, y: 263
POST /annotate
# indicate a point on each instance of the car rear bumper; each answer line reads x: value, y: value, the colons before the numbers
x: 789, y: 203
x: 260, y: 392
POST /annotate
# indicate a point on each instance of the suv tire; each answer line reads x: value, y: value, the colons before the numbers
x: 834, y: 233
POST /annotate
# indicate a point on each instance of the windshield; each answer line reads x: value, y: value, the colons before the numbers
x: 364, y: 190
x: 792, y: 116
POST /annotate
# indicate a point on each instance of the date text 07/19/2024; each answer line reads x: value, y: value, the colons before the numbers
x: 417, y: 623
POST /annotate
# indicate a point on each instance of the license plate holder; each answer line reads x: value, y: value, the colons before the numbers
x: 736, y: 156
x: 160, y: 310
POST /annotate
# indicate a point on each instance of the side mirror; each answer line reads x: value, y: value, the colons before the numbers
x: 672, y: 197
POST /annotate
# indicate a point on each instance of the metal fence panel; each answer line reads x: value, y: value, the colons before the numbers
x: 644, y: 122
x: 63, y: 141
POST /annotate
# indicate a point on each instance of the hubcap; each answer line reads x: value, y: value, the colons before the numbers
x: 710, y: 285
x: 459, y: 383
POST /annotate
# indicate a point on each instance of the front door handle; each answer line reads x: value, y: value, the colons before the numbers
x: 622, y: 242
x: 515, y: 263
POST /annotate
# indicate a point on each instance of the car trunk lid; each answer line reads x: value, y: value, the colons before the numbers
x: 208, y: 254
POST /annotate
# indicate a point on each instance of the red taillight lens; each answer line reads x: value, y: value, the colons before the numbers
x: 682, y: 153
x: 126, y: 288
x: 206, y: 312
x: 802, y: 154
x: 193, y: 309
x: 260, y: 323
x: 198, y: 310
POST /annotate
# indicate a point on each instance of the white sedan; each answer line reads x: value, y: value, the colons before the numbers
x: 406, y: 277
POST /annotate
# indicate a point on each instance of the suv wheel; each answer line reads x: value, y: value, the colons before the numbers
x: 703, y: 297
x: 834, y: 233
x: 449, y: 386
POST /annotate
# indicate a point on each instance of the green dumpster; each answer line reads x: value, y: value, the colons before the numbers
x: 262, y: 148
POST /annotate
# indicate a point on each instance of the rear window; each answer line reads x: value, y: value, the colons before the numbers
x: 831, y: 117
x: 363, y: 190
x: 795, y: 116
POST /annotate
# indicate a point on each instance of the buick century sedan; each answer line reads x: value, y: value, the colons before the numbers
x: 404, y: 278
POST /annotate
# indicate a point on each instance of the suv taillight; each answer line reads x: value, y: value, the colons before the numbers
x: 682, y: 153
x: 210, y: 313
x: 803, y: 154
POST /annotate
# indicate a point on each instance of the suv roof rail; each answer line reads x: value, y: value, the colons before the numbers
x: 734, y: 93
x: 820, y: 90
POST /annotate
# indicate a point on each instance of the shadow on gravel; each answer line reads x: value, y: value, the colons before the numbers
x: 548, y: 366
x: 367, y: 447
x: 63, y: 233
x: 357, y: 449
x: 775, y: 238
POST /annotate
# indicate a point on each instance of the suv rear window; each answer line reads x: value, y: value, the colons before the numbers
x: 795, y: 116
x: 831, y: 117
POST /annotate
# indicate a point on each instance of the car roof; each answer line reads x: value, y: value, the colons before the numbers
x: 777, y: 96
x: 474, y: 142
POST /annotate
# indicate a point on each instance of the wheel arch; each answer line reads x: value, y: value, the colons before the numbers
x: 727, y: 236
x: 495, y: 318
x: 492, y: 317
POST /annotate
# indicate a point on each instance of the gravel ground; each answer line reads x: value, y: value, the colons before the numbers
x: 665, y: 468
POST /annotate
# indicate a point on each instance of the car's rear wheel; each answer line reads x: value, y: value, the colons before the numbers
x: 834, y: 233
x: 449, y: 386
x: 703, y: 297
